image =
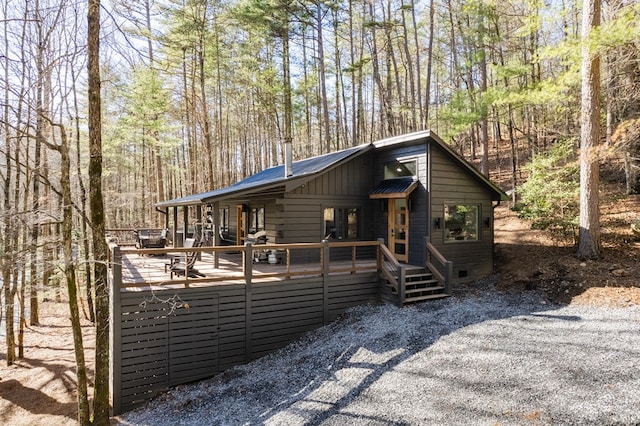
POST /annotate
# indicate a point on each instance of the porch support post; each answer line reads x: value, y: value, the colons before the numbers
x: 185, y: 223
x: 175, y: 226
x: 325, y: 280
x: 166, y: 218
x: 248, y: 273
x: 215, y: 216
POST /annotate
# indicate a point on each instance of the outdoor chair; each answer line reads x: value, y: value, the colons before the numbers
x: 259, y: 237
x: 178, y: 267
x: 150, y: 238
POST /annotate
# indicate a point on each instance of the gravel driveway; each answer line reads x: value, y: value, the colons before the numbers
x: 489, y: 358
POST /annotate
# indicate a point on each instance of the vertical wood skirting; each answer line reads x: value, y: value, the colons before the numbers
x: 116, y: 330
x: 248, y: 273
x: 325, y: 280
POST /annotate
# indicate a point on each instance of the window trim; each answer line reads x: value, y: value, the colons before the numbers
x: 478, y: 228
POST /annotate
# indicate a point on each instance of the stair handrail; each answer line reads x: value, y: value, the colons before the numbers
x: 388, y: 265
x: 446, y: 278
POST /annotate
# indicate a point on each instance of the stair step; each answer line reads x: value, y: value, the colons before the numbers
x: 426, y: 297
x: 424, y: 283
x: 421, y: 290
x: 417, y: 279
x: 417, y: 272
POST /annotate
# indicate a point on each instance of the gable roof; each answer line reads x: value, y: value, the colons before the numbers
x: 411, y: 138
x: 273, y: 180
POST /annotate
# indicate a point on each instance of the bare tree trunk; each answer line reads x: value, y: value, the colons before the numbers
x: 96, y: 202
x: 421, y: 124
x: 6, y: 260
x: 35, y: 194
x: 208, y: 143
x: 70, y: 276
x: 323, y: 85
x: 427, y: 89
x: 286, y: 73
x: 415, y: 106
x: 484, y: 120
x: 83, y: 205
x: 589, y: 234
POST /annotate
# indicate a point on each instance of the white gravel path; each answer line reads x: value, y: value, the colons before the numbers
x: 484, y: 359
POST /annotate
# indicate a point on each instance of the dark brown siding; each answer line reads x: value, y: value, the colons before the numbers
x: 345, y: 186
x: 453, y: 185
x: 418, y: 199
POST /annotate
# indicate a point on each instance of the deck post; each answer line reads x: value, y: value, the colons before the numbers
x: 215, y: 228
x: 115, y: 326
x: 402, y: 274
x: 326, y: 264
x: 248, y: 273
x: 427, y: 256
x: 448, y: 276
x: 380, y: 243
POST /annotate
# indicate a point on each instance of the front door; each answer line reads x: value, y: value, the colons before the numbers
x: 399, y: 228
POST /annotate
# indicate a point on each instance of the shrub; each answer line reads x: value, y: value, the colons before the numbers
x: 550, y: 196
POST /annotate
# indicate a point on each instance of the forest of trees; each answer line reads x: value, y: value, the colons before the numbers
x: 197, y: 94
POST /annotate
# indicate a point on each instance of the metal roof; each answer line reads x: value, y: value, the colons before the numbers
x: 388, y: 187
x: 270, y: 178
x: 273, y: 179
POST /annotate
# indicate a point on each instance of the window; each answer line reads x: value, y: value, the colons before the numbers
x: 341, y: 223
x: 400, y: 169
x: 256, y: 220
x: 224, y: 220
x: 461, y: 222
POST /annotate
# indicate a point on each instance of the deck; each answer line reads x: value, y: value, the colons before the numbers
x: 228, y: 264
x: 167, y: 331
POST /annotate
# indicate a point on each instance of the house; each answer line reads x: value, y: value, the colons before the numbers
x: 404, y: 190
x: 432, y: 210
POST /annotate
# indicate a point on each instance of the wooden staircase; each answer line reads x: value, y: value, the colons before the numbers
x: 404, y: 284
x: 420, y: 285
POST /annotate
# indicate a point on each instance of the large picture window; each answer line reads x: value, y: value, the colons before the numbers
x: 341, y: 223
x: 461, y: 222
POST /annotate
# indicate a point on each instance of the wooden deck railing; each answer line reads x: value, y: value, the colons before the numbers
x: 245, y: 269
x: 392, y: 271
x: 443, y: 271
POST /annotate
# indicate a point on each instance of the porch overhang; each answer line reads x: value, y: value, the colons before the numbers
x: 394, y: 188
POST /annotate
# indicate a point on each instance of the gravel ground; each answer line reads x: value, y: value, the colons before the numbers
x: 482, y: 358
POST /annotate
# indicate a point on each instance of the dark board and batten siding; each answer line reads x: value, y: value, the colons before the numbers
x: 452, y: 185
x: 173, y: 336
x: 345, y: 186
x: 418, y: 218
